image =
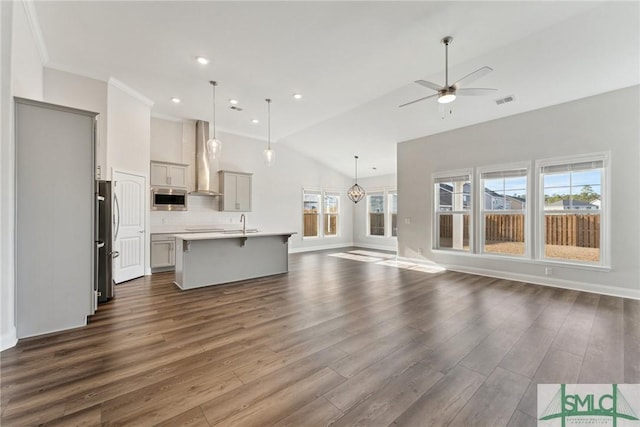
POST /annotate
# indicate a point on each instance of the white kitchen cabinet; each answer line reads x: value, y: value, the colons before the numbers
x: 163, y: 252
x: 166, y: 174
x: 236, y: 191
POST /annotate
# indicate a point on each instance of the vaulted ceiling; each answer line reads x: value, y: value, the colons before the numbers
x: 353, y: 62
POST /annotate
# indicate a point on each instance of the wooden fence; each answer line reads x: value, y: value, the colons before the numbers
x: 376, y: 224
x: 581, y: 230
x: 446, y: 226
x: 504, y: 228
x: 311, y: 224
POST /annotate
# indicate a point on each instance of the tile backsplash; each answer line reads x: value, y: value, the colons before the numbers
x: 202, y: 210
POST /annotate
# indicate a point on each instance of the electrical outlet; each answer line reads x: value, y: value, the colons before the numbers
x: 548, y: 271
x: 420, y: 251
x: 407, y: 220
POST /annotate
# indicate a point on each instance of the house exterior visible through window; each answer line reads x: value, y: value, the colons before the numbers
x: 504, y: 211
x: 331, y: 213
x: 571, y: 221
x: 311, y: 213
x: 453, y: 204
x: 375, y: 213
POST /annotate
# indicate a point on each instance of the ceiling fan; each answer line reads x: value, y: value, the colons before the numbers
x: 448, y: 93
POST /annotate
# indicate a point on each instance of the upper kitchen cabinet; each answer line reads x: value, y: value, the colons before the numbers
x: 236, y: 191
x: 166, y: 174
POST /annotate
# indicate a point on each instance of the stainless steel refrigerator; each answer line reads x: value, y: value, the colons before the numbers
x: 104, y: 283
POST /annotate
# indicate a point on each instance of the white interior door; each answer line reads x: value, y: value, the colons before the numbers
x: 129, y: 223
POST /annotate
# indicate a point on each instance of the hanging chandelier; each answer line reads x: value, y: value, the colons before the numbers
x: 355, y: 192
x: 269, y: 153
x: 214, y: 145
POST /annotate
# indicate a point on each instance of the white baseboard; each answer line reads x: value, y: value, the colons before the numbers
x: 320, y: 248
x: 8, y: 339
x: 548, y: 281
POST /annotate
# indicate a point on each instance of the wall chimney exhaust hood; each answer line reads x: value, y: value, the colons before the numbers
x: 206, y: 172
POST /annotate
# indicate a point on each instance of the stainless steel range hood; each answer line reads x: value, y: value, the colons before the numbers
x: 206, y: 183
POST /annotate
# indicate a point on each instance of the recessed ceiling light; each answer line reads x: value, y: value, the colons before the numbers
x: 297, y: 95
x: 176, y: 100
x: 233, y: 101
x: 202, y: 60
x: 254, y: 121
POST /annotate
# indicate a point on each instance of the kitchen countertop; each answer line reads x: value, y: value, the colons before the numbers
x: 230, y: 235
x: 198, y: 228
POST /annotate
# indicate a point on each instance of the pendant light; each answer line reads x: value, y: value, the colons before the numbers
x: 269, y: 153
x: 355, y: 192
x: 214, y: 145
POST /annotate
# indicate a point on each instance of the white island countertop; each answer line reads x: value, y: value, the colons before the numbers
x: 231, y: 235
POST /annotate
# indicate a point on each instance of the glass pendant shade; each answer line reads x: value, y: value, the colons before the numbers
x: 269, y: 156
x: 269, y: 153
x: 355, y: 192
x: 214, y: 145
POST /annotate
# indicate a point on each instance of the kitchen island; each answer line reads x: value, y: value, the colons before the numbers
x: 204, y: 259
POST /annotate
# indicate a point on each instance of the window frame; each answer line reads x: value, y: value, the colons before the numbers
x: 604, y: 211
x: 383, y: 193
x: 318, y: 192
x: 389, y: 219
x: 480, y: 217
x: 436, y: 178
x: 337, y: 214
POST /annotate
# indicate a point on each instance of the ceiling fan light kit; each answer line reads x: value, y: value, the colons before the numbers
x: 448, y: 93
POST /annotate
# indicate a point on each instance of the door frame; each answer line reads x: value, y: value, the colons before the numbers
x: 147, y: 218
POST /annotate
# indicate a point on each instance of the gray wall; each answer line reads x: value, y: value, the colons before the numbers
x: 607, y: 122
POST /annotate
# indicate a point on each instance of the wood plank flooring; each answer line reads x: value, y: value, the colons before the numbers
x: 334, y: 341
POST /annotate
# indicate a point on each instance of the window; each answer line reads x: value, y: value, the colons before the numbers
x: 504, y: 211
x: 393, y: 212
x: 375, y: 208
x: 331, y: 212
x: 571, y: 223
x: 311, y: 213
x: 452, y: 208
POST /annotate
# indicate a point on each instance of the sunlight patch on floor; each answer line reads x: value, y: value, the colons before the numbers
x: 386, y: 259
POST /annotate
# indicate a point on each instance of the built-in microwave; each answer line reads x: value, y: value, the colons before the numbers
x: 168, y: 199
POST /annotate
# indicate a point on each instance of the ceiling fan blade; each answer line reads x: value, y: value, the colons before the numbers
x: 476, y: 91
x: 480, y: 72
x: 418, y: 100
x: 429, y: 85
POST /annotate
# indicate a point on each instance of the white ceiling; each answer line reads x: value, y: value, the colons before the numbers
x: 354, y: 62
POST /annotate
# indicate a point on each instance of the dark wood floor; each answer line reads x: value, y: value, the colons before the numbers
x: 333, y: 341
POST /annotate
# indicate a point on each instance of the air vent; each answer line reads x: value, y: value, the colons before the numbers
x: 506, y: 99
x: 233, y: 107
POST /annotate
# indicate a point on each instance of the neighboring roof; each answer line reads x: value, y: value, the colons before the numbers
x: 566, y: 204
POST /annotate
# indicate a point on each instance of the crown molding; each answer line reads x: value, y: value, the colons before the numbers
x: 34, y: 24
x: 128, y: 90
x: 70, y: 70
x: 166, y: 117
